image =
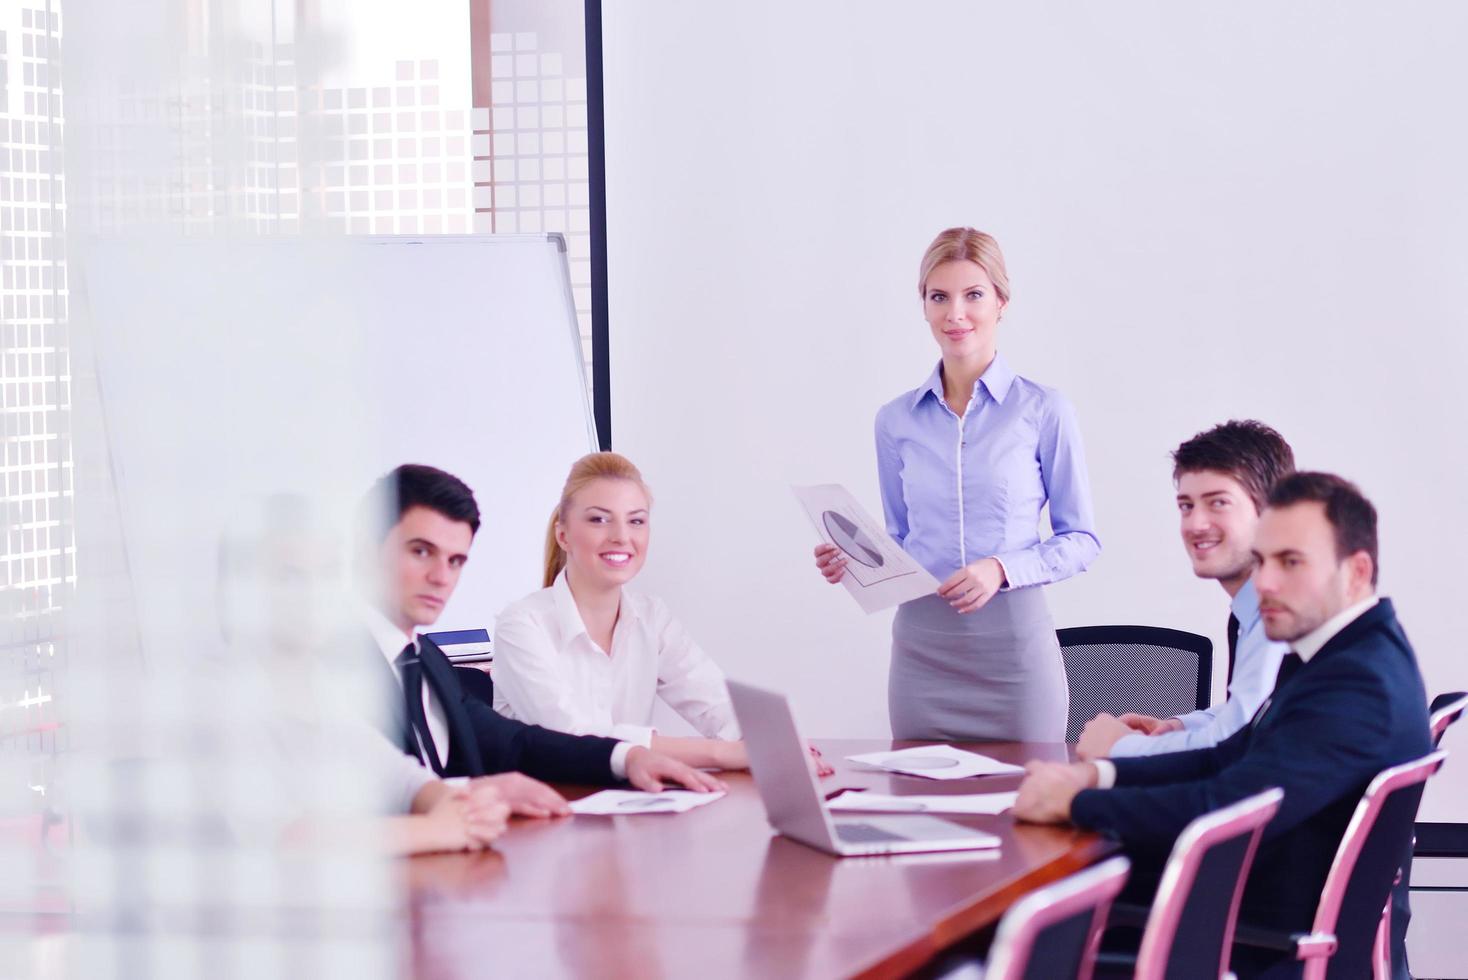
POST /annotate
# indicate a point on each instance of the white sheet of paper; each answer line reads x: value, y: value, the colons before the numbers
x: 857, y: 800
x: 614, y: 801
x: 879, y: 574
x: 937, y: 762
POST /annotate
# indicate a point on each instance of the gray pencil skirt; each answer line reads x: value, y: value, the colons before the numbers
x: 991, y: 675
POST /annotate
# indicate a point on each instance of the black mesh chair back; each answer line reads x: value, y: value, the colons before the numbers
x: 1146, y: 669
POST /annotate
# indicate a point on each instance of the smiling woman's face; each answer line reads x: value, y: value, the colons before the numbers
x: 604, y: 533
x: 962, y: 307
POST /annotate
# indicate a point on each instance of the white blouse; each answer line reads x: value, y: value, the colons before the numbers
x: 548, y: 671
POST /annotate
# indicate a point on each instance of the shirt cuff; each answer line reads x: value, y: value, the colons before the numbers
x: 636, y: 734
x: 1127, y: 746
x: 619, y: 758
x: 1006, y: 586
x: 1021, y: 569
x: 1105, y: 773
x: 1202, y: 718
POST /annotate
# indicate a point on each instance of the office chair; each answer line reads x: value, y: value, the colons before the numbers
x: 1343, y: 939
x: 1146, y: 669
x: 1052, y: 933
x: 1444, y: 711
x: 1391, y: 938
x: 1188, y: 930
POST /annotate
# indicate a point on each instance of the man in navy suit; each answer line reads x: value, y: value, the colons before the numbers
x: 1348, y: 703
x: 425, y: 709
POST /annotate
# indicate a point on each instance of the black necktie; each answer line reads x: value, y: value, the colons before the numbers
x: 1233, y: 644
x: 412, y: 672
x: 1289, y: 665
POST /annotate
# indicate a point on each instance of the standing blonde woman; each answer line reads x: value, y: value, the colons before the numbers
x: 967, y: 460
x: 586, y: 656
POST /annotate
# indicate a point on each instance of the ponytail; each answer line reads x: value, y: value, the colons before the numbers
x: 555, y: 558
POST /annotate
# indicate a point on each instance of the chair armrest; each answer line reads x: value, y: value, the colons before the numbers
x: 1301, y: 945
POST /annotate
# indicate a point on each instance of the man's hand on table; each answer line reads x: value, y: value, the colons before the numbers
x: 1049, y: 787
x: 649, y: 770
x: 526, y: 797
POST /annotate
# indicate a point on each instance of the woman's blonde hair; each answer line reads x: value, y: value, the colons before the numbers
x: 587, y: 469
x: 966, y: 245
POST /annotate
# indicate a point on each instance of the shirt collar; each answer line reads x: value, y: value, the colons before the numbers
x: 1245, y: 606
x: 1309, y: 645
x: 390, y: 640
x: 568, y: 617
x: 998, y: 379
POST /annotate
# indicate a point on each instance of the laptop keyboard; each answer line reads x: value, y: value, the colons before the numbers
x: 865, y: 833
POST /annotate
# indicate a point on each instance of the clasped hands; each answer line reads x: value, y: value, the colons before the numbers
x: 1104, y: 731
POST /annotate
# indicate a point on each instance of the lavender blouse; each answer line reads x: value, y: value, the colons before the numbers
x: 955, y: 490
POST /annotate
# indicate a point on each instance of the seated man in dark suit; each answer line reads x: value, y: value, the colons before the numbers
x: 426, y: 711
x: 1348, y: 703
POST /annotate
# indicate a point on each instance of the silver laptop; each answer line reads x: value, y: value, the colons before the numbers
x: 778, y: 760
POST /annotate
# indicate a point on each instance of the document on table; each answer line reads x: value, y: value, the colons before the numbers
x: 613, y: 801
x: 859, y: 800
x: 879, y: 574
x: 937, y: 762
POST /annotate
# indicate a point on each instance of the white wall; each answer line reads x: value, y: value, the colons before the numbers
x: 1208, y: 212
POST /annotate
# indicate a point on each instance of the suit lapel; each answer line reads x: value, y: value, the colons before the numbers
x: 1377, y: 615
x: 439, y: 674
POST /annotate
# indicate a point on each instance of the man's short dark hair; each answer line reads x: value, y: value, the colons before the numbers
x: 1351, y: 515
x: 415, y: 485
x: 1249, y: 451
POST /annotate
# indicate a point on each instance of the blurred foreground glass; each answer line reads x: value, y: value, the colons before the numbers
x: 180, y: 477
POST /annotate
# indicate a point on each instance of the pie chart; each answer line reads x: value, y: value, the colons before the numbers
x: 851, y: 539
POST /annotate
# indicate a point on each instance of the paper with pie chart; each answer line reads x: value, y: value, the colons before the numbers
x: 879, y: 574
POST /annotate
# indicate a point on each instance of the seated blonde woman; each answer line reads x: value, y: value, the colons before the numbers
x: 587, y: 656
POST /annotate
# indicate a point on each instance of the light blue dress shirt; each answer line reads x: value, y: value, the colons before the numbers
x: 955, y: 490
x: 1256, y: 664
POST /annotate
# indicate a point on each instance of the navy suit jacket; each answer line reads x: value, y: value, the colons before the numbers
x: 1356, y: 708
x: 482, y: 741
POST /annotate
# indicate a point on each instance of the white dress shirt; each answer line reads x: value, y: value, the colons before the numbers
x: 548, y: 671
x: 391, y: 641
x: 1306, y: 646
x: 399, y: 776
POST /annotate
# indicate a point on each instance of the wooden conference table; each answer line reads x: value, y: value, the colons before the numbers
x: 713, y: 893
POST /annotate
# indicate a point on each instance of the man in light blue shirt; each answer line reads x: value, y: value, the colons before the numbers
x: 1223, y: 477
